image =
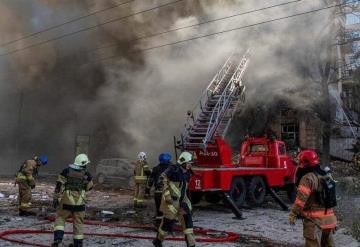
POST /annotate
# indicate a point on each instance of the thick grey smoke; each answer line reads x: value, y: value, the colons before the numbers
x: 138, y: 100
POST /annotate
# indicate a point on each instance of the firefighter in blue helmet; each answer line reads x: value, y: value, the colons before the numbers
x: 175, y: 204
x: 25, y: 179
x: 69, y: 199
x: 154, y: 180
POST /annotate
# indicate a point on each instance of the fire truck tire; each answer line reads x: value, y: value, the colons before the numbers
x: 256, y: 191
x: 291, y: 192
x: 238, y: 191
x: 195, y: 197
x: 213, y: 197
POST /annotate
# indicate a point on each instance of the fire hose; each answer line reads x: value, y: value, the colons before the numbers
x: 225, y: 236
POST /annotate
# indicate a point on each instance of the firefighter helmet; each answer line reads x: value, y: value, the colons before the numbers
x: 81, y: 160
x: 142, y: 156
x: 185, y: 157
x: 41, y: 160
x: 164, y: 158
x: 308, y: 158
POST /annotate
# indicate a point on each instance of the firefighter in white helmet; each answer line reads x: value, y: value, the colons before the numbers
x: 175, y: 203
x: 69, y: 199
x: 141, y: 173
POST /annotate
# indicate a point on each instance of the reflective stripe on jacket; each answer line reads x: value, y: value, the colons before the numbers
x: 72, y: 186
x: 308, y: 204
x: 26, y: 172
x: 141, y: 172
x: 175, y: 188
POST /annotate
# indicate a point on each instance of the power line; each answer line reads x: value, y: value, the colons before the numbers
x: 89, y: 28
x: 222, y: 32
x: 230, y: 30
x: 202, y: 23
x: 197, y: 24
x: 64, y: 23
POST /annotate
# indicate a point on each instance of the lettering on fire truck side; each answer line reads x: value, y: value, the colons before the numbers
x: 206, y: 153
x: 197, y: 184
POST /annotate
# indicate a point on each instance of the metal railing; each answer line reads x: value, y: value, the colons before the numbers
x: 207, y: 93
x: 225, y: 99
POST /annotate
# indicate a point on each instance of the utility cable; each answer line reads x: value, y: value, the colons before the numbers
x: 26, y: 36
x: 89, y: 28
x: 197, y: 24
x: 231, y: 30
x: 222, y: 32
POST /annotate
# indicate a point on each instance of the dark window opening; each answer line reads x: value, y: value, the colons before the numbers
x: 290, y: 135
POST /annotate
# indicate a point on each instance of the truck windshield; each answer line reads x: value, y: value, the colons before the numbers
x: 255, y: 148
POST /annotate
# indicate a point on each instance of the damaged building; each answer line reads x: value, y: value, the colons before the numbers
x: 298, y: 128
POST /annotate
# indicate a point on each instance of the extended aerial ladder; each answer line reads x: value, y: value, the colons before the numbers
x: 212, y: 115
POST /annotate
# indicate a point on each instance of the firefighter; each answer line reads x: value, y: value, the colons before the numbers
x: 141, y: 173
x: 319, y: 221
x: 175, y: 203
x: 25, y: 179
x: 154, y: 180
x: 69, y: 199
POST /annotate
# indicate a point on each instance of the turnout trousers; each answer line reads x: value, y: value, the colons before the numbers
x: 185, y: 219
x: 24, y: 195
x: 78, y: 222
x: 317, y: 237
x: 139, y: 194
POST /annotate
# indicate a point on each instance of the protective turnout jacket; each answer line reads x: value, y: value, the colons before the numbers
x: 175, y: 188
x: 154, y: 179
x: 27, y: 172
x: 141, y: 172
x: 308, y: 202
x: 71, y: 188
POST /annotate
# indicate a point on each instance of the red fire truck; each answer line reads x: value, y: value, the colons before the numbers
x: 262, y: 163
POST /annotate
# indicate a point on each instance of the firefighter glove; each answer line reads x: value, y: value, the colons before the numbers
x: 292, y: 218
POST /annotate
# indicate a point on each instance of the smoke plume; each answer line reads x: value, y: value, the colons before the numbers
x: 138, y: 100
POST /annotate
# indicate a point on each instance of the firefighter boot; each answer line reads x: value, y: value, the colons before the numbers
x: 56, y: 243
x: 58, y: 236
x: 157, y: 243
x: 77, y: 243
x: 26, y: 213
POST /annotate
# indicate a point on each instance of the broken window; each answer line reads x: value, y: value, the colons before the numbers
x: 290, y: 134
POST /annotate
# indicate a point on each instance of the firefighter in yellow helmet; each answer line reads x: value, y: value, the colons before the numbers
x: 69, y: 199
x: 141, y: 173
x: 314, y: 202
x: 25, y: 179
x: 175, y: 203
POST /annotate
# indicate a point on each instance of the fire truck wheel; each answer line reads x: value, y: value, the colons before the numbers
x: 256, y: 191
x: 238, y: 191
x: 195, y: 197
x: 291, y: 192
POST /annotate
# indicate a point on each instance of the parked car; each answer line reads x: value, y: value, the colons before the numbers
x: 115, y: 170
